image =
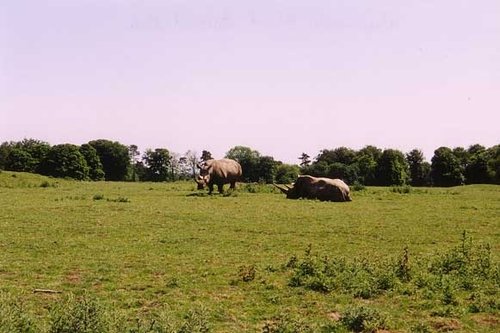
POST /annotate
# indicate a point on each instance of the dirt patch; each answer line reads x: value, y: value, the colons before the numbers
x: 335, y: 316
x: 73, y: 277
x: 446, y: 325
x: 487, y: 320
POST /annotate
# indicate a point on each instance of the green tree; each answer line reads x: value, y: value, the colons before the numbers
x: 65, y: 160
x: 367, y: 160
x: 157, y: 164
x: 5, y: 149
x: 392, y: 168
x: 206, y: 155
x: 20, y: 160
x: 346, y: 172
x: 249, y: 161
x: 93, y: 162
x: 286, y: 173
x: 338, y: 155
x: 114, y: 157
x: 26, y: 155
x: 267, y: 169
x: 133, y: 153
x: 305, y: 160
x: 334, y: 163
x: 419, y: 168
x: 494, y: 163
x: 446, y: 168
x: 476, y: 170
x: 317, y: 169
x: 141, y: 171
x: 190, y: 162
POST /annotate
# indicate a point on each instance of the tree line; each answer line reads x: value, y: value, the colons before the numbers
x: 113, y: 161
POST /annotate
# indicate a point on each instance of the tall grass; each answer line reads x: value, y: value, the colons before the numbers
x: 166, y: 257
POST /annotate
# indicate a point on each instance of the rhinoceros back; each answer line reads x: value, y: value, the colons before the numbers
x: 224, y: 170
x: 325, y: 189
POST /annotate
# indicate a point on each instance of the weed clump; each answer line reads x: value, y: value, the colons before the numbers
x: 360, y: 277
x: 46, y: 184
x: 246, y: 273
x: 405, y: 189
x: 363, y: 319
x: 461, y: 279
x: 119, y: 199
x: 257, y: 188
x: 98, y: 196
x: 13, y: 317
x: 356, y: 187
x: 82, y: 314
x: 86, y: 314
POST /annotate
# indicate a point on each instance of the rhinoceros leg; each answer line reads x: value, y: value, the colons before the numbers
x: 220, y: 188
x: 233, y: 185
x: 210, y: 188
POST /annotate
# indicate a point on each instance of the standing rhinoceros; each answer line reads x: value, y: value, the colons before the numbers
x: 218, y: 172
x: 324, y: 189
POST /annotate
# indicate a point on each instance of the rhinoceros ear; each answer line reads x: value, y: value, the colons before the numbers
x: 282, y: 189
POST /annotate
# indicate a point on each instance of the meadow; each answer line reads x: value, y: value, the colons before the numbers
x: 164, y: 257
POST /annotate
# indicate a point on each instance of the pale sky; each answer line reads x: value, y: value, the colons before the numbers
x: 282, y: 77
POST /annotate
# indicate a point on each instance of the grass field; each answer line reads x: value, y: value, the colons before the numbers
x: 422, y: 261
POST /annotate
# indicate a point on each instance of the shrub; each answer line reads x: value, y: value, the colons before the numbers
x: 78, y: 315
x: 464, y: 277
x: 247, y: 273
x: 363, y: 319
x: 46, y: 184
x: 421, y: 328
x: 257, y: 188
x: 405, y: 189
x: 356, y: 187
x: 119, y: 199
x: 13, y: 317
x: 98, y: 197
x: 195, y: 321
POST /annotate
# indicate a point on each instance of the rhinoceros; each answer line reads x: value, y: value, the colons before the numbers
x: 324, y: 189
x: 218, y: 172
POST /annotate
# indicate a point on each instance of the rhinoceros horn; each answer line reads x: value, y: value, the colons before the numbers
x: 282, y: 189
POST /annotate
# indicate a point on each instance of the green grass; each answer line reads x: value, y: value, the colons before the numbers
x: 144, y: 249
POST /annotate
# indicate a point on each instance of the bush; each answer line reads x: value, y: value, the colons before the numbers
x: 46, y: 184
x: 359, y: 278
x: 98, y: 197
x: 195, y: 321
x: 363, y: 319
x: 119, y: 199
x: 356, y: 187
x: 78, y: 315
x: 13, y: 317
x: 463, y: 277
x: 405, y: 189
x: 247, y: 273
x: 257, y: 188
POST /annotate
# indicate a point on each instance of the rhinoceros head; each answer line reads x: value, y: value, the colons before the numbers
x: 201, y: 181
x: 290, y: 191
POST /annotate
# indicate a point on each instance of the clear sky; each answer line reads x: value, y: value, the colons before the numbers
x: 280, y: 76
